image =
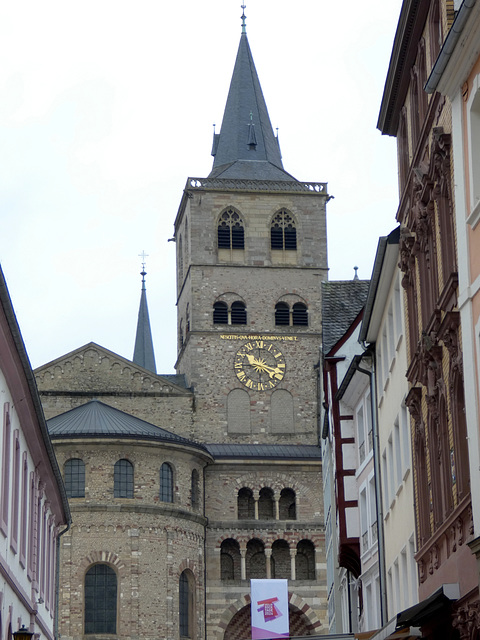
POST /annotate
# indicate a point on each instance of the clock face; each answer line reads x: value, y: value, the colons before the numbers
x: 259, y: 365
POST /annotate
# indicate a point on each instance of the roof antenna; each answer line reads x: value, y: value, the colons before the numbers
x: 244, y: 17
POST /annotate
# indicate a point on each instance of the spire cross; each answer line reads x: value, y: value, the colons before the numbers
x: 244, y: 26
x: 143, y: 273
x: 143, y: 255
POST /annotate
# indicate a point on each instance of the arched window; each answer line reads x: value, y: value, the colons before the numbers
x: 282, y: 314
x: 166, y: 483
x: 220, y: 313
x: 300, y: 314
x: 194, y: 492
x: 74, y: 474
x: 186, y: 604
x: 286, y: 505
x: 280, y: 560
x: 231, y: 232
x: 239, y: 313
x: 305, y: 561
x: 265, y: 504
x: 283, y: 233
x: 245, y: 504
x: 295, y: 316
x: 236, y: 314
x: 100, y: 600
x: 230, y: 561
x: 255, y: 559
x: 123, y: 479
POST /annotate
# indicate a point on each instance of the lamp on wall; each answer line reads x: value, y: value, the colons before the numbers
x: 23, y: 633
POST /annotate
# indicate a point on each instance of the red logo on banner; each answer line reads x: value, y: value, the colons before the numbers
x: 270, y: 611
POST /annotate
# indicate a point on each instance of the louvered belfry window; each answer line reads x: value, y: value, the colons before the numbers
x: 220, y: 313
x: 300, y: 315
x: 231, y: 232
x: 282, y: 314
x: 283, y: 232
x: 238, y: 313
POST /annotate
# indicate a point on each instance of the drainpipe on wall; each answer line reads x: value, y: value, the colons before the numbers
x: 204, y: 563
x: 56, y: 635
x: 378, y: 488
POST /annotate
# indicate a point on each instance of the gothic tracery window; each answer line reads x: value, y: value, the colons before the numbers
x: 283, y: 232
x: 231, y: 231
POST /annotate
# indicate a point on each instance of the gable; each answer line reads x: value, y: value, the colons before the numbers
x: 94, y: 369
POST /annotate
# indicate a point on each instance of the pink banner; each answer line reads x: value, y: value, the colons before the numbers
x: 269, y: 603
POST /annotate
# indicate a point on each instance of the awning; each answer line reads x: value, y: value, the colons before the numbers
x: 420, y: 613
x: 391, y: 632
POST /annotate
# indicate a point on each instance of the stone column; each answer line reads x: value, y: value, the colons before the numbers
x: 293, y: 553
x: 268, y: 555
x: 243, y: 563
x: 256, y: 497
x: 277, y: 508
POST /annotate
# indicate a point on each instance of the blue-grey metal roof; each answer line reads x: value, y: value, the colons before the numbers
x: 143, y: 353
x: 95, y: 419
x: 263, y: 451
x: 246, y: 146
x: 342, y: 301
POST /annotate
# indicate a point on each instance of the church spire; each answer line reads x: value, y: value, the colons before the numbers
x: 143, y: 354
x: 246, y: 147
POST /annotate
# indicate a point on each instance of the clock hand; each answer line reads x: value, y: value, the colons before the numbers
x: 259, y: 365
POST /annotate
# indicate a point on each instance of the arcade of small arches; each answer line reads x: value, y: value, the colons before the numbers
x: 266, y: 505
x: 253, y: 560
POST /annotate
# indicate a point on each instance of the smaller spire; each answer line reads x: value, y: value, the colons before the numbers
x: 143, y: 353
x: 243, y: 18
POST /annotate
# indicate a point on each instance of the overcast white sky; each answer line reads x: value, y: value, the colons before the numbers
x: 106, y: 107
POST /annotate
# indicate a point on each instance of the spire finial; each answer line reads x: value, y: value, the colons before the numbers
x: 143, y: 273
x: 244, y: 17
x: 355, y: 277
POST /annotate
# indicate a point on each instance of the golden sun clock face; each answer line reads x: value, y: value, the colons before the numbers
x: 259, y: 365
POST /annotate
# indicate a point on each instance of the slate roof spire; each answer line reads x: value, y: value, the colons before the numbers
x: 143, y: 353
x: 246, y: 147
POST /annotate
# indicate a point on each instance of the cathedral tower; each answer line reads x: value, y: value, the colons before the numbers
x: 251, y: 254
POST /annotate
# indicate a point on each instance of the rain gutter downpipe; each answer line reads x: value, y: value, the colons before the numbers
x: 56, y: 635
x: 449, y: 45
x: 378, y: 489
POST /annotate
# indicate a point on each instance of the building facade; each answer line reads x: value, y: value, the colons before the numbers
x: 457, y: 75
x: 34, y: 510
x: 185, y: 487
x: 383, y: 330
x: 342, y: 308
x: 428, y: 259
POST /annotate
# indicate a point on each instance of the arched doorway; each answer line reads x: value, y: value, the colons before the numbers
x: 239, y: 626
